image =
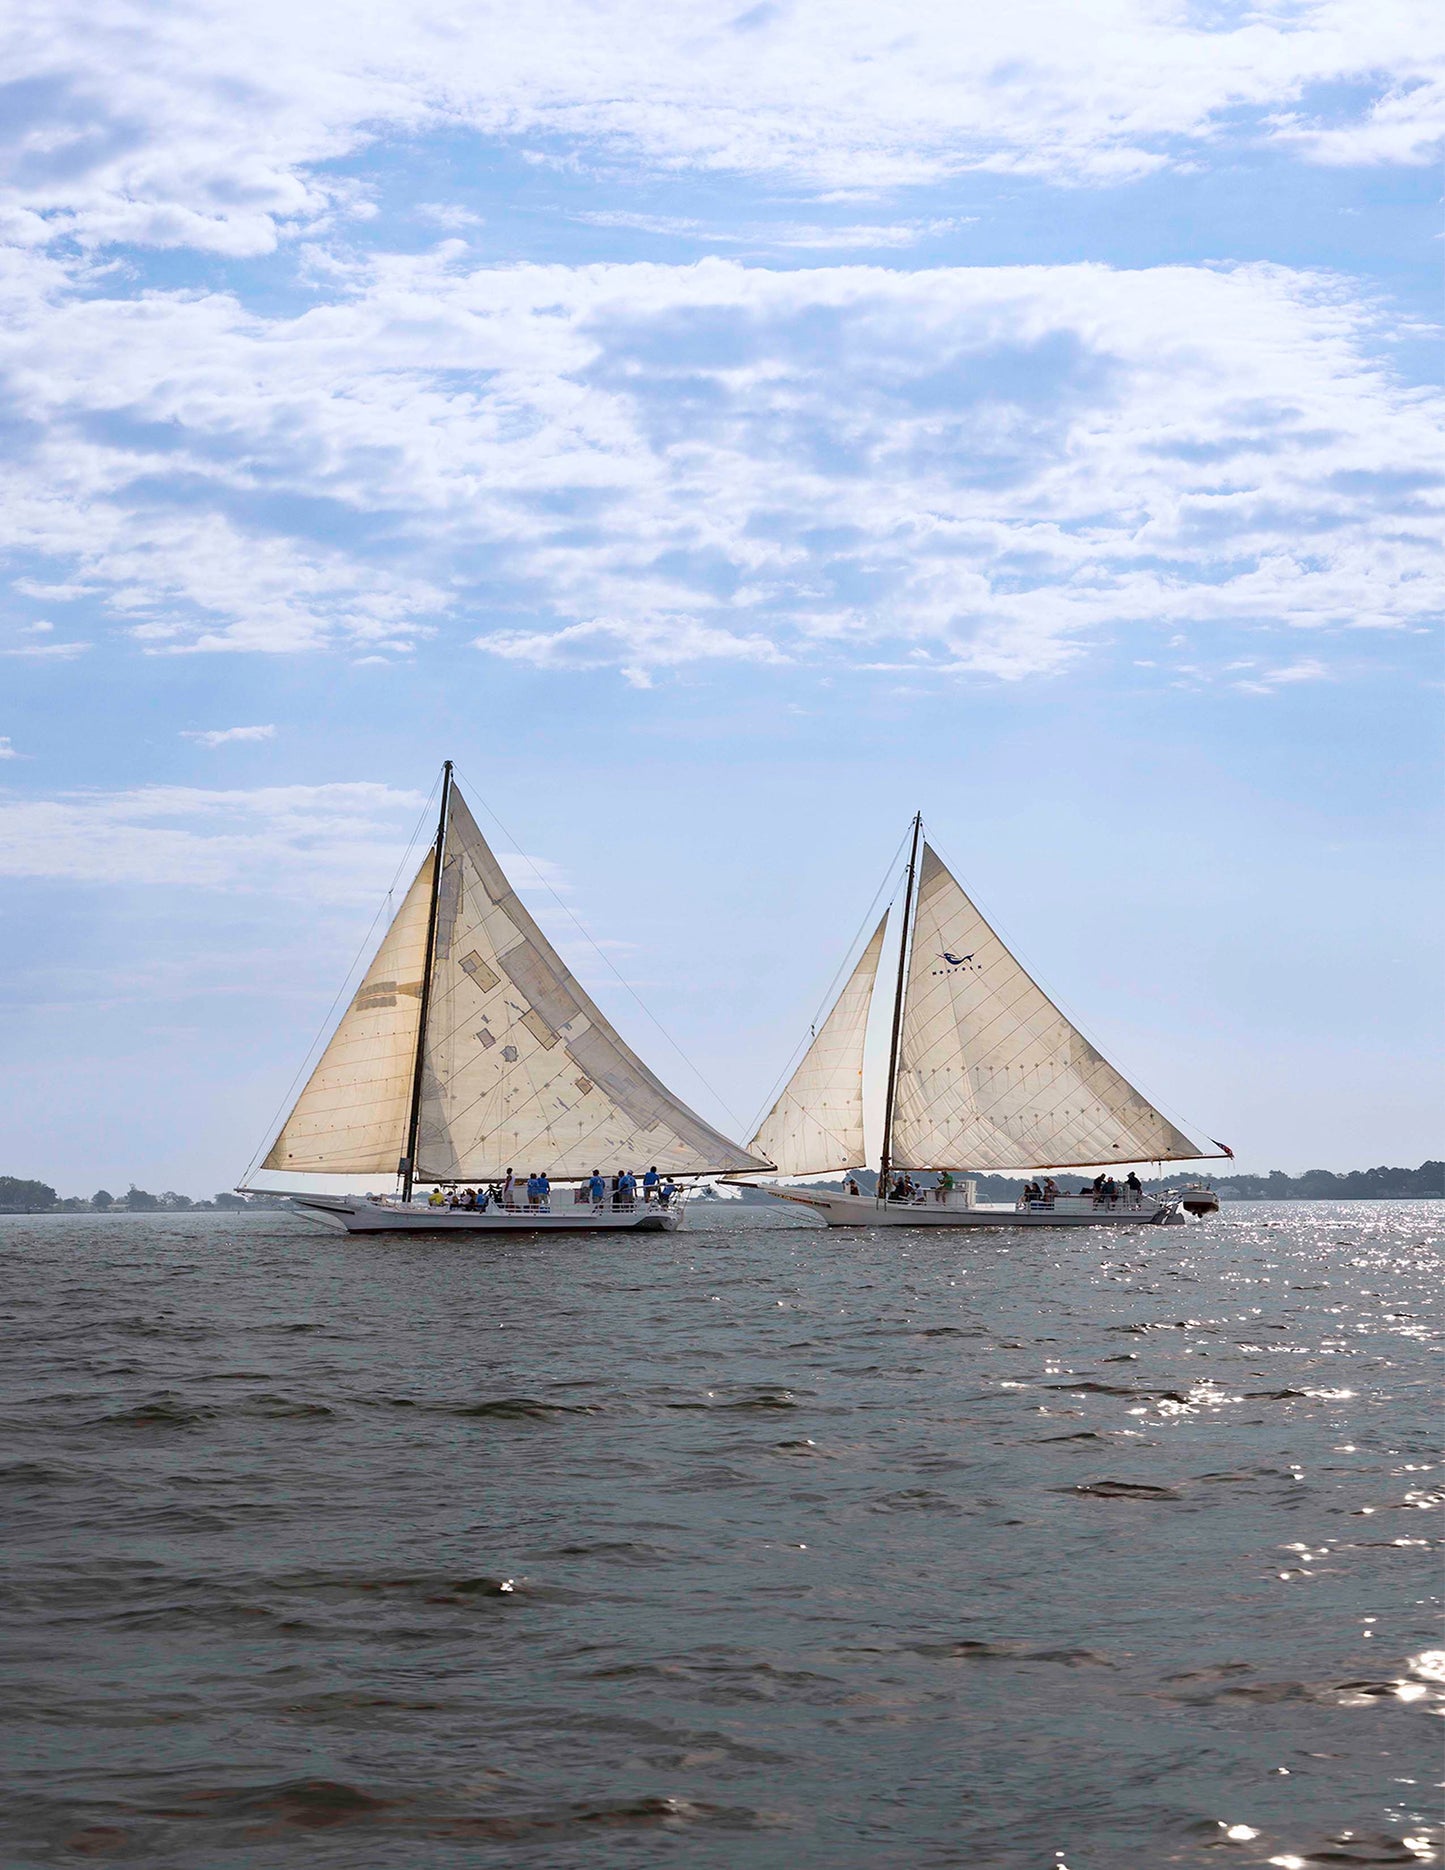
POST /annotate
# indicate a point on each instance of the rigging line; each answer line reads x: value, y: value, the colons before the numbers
x: 1178, y: 1119
x: 848, y: 957
x: 269, y: 1134
x: 571, y: 917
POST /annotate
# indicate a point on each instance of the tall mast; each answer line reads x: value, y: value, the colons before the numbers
x: 408, y: 1161
x: 890, y: 1096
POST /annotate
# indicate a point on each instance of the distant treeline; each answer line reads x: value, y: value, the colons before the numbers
x: 19, y: 1196
x: 1325, y: 1185
x: 1313, y: 1185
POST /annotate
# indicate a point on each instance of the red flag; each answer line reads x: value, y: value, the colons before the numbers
x: 1224, y: 1146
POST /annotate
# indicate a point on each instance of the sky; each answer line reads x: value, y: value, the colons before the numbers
x: 723, y: 431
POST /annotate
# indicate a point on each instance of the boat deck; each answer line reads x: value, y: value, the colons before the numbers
x: 394, y: 1217
x: 955, y: 1210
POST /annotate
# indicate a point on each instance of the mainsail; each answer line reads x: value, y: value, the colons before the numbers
x: 519, y: 1067
x: 817, y: 1123
x: 515, y: 1068
x: 991, y: 1075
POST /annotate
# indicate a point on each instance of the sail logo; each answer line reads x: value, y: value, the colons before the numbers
x: 957, y: 964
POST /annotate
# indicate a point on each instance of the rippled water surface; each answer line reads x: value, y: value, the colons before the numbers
x: 753, y: 1545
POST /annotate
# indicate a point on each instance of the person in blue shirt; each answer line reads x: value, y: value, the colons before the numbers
x: 544, y: 1192
x: 627, y: 1187
x: 669, y: 1189
x: 597, y: 1188
x: 651, y: 1182
x: 533, y: 1197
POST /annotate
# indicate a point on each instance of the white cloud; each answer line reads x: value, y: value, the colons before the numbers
x: 672, y: 225
x: 1307, y: 669
x: 1400, y: 123
x: 329, y: 844
x: 49, y: 652
x: 334, y: 843
x: 63, y: 593
x: 645, y: 466
x: 220, y: 736
x: 815, y: 236
x: 447, y: 214
x: 194, y: 576
x: 204, y: 126
x: 819, y: 237
x: 7, y: 749
x: 635, y: 645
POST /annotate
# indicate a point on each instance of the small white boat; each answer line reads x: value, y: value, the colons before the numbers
x: 469, y: 1048
x: 984, y: 1074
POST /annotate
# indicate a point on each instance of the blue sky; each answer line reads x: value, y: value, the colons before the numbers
x: 722, y: 435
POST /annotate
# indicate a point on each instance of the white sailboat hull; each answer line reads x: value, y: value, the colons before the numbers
x: 359, y: 1216
x: 866, y: 1211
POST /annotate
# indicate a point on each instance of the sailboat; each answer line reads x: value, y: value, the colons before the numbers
x: 469, y: 1051
x: 984, y: 1074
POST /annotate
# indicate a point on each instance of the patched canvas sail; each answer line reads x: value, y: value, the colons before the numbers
x: 817, y: 1123
x: 991, y: 1075
x: 519, y: 1068
x: 352, y: 1117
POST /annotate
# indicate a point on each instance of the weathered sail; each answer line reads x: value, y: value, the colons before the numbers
x: 519, y: 1068
x: 817, y: 1123
x: 991, y: 1075
x: 352, y: 1117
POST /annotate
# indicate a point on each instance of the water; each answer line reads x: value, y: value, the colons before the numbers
x: 748, y: 1546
